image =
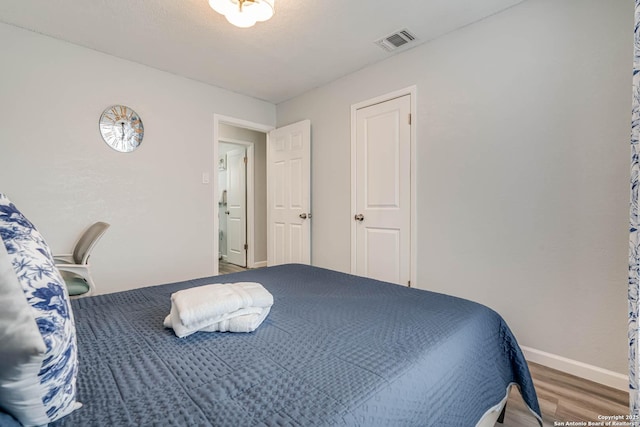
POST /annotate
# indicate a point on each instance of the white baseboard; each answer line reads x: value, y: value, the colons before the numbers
x: 579, y: 369
x: 259, y: 264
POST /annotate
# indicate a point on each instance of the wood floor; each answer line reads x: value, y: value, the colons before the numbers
x: 565, y: 398
x: 226, y: 267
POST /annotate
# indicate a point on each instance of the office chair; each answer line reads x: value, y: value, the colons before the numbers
x: 74, y: 267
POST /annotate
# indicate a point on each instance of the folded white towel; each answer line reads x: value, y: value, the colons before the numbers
x: 228, y: 307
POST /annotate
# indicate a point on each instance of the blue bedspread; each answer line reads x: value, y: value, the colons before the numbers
x: 335, y: 350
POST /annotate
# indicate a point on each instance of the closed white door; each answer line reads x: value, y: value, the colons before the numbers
x: 236, y: 207
x: 382, y: 216
x: 289, y: 194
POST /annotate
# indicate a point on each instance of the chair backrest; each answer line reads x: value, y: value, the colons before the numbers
x: 87, y: 241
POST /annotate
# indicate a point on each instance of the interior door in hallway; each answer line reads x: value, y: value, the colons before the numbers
x: 237, y: 207
x: 382, y: 217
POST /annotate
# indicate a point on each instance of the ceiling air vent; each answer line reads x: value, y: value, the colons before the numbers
x: 396, y: 40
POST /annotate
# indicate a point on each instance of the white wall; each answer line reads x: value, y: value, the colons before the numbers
x: 57, y: 169
x: 523, y: 167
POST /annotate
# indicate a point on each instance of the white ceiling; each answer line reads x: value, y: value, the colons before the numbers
x: 305, y: 45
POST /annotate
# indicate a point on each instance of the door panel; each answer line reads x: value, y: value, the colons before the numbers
x: 296, y: 183
x: 278, y: 182
x: 296, y: 242
x: 382, y: 265
x: 236, y: 207
x: 383, y: 179
x: 279, y: 244
x: 289, y: 198
x: 381, y: 147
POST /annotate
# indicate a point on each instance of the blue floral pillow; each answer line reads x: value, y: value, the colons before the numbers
x: 38, y: 355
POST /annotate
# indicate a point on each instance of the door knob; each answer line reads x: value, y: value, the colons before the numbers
x: 303, y: 215
x: 359, y: 217
x: 227, y: 212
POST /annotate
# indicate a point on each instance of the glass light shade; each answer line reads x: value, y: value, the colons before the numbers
x: 251, y: 11
x: 241, y: 19
x: 262, y: 9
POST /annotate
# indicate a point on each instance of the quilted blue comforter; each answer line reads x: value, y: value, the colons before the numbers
x: 335, y: 350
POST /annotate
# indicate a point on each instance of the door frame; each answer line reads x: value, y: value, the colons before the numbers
x: 249, y: 194
x: 413, y: 92
x: 233, y: 121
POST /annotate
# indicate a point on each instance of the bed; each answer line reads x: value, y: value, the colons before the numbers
x: 335, y: 349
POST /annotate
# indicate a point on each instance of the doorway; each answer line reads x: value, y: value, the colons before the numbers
x: 241, y: 226
x: 232, y: 212
x: 267, y: 239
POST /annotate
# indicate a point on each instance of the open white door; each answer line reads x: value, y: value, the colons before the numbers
x: 382, y: 217
x: 236, y: 207
x: 289, y: 194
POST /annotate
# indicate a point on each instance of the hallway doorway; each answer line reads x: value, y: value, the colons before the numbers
x: 242, y: 194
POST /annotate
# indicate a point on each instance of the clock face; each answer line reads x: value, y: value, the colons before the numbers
x: 121, y: 128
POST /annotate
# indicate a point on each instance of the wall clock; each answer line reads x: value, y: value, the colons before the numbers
x: 121, y: 128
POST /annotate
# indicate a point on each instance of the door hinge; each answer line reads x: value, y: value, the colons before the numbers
x: 246, y: 246
x: 409, y: 118
x: 409, y: 283
x: 245, y: 160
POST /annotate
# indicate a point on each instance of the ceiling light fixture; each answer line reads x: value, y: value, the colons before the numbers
x: 243, y: 13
